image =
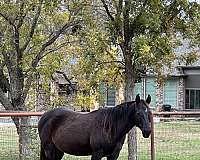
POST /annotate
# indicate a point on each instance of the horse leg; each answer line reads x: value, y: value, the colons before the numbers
x: 49, y: 150
x: 52, y: 153
x: 97, y: 155
x: 58, y: 154
x: 117, y: 150
x: 113, y: 156
x: 42, y: 153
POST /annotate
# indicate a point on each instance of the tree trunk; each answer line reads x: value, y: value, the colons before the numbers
x: 132, y: 144
x: 132, y: 136
x: 24, y: 132
x: 129, y: 89
x: 23, y: 126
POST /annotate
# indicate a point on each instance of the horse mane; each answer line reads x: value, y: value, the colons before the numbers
x: 111, y: 118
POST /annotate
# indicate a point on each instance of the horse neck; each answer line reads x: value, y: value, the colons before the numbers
x: 124, y: 124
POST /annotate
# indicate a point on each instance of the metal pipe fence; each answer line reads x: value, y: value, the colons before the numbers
x: 176, y: 137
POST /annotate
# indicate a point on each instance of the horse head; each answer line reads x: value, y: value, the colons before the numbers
x: 142, y: 115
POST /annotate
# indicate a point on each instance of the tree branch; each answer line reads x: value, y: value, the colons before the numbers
x: 107, y: 62
x: 38, y: 57
x: 50, y: 42
x: 4, y: 83
x: 126, y: 23
x: 7, y: 19
x: 134, y: 22
x: 107, y: 11
x: 7, y: 60
x: 67, y: 79
x: 21, y: 15
x: 27, y: 85
x: 117, y: 73
x: 57, y: 48
x: 5, y: 101
x: 33, y: 26
x: 115, y: 22
x: 16, y: 42
x: 119, y: 8
x: 16, y: 32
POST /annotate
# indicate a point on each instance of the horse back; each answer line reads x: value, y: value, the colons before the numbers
x: 51, y: 120
x: 69, y: 131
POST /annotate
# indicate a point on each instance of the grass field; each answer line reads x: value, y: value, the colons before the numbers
x: 174, y: 140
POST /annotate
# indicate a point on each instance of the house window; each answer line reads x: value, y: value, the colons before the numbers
x: 151, y: 90
x: 192, y: 99
x: 110, y: 97
x: 107, y: 95
x: 170, y: 92
x: 65, y: 89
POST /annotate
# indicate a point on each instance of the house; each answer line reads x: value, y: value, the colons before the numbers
x: 191, y: 86
x: 63, y: 88
x: 180, y: 90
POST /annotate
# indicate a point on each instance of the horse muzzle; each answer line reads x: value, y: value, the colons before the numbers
x: 146, y: 133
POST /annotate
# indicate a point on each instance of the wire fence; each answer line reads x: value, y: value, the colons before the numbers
x: 10, y: 142
x: 175, y: 138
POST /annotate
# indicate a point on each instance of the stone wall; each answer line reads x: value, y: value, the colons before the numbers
x: 181, y: 94
x: 159, y: 96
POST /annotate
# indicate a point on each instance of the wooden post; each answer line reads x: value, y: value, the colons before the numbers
x: 152, y: 138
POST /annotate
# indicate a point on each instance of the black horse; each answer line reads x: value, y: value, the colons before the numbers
x: 100, y: 133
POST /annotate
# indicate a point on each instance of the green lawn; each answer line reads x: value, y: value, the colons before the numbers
x: 173, y: 141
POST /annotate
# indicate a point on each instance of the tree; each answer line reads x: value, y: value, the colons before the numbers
x: 94, y: 60
x: 192, y: 31
x: 146, y: 33
x: 188, y: 58
x: 30, y: 31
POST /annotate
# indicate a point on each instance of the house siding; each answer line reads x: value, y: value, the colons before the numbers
x: 150, y: 88
x: 170, y: 92
x: 137, y: 89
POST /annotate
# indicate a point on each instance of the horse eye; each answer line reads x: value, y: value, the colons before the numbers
x: 146, y: 110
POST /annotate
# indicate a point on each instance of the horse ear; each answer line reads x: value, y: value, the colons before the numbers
x: 137, y: 99
x: 148, y: 100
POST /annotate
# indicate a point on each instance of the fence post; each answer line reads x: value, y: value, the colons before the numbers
x: 152, y: 138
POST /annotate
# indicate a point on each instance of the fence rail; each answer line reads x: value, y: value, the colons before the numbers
x: 176, y: 135
x: 20, y: 114
x: 176, y: 113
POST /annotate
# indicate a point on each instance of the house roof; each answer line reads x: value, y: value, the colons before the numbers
x: 189, y: 67
x: 180, y: 71
x: 61, y: 78
x: 189, y: 70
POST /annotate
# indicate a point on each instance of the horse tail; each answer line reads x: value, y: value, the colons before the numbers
x: 42, y: 153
